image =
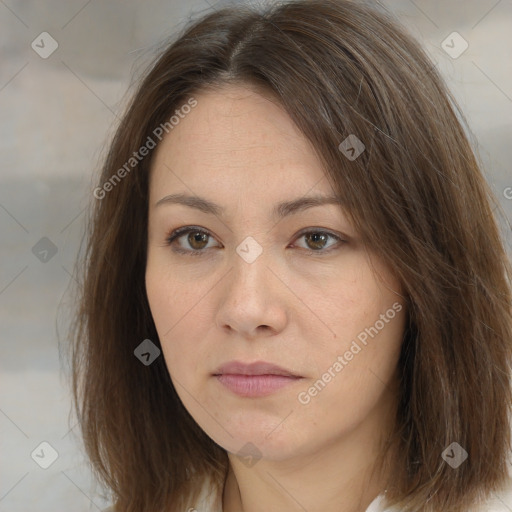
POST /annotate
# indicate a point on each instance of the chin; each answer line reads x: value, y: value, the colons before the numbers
x: 256, y: 438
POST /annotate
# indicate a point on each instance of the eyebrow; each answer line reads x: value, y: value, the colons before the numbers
x: 280, y: 210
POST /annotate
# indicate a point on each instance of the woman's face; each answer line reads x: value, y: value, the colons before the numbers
x: 290, y: 287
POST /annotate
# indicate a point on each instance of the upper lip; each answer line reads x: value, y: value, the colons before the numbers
x: 256, y: 368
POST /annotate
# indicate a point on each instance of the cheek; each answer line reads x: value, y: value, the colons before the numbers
x: 178, y: 312
x: 357, y: 361
x: 171, y: 298
x: 348, y: 304
x: 354, y: 378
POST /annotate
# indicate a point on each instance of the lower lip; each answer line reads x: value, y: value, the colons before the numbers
x: 255, y: 385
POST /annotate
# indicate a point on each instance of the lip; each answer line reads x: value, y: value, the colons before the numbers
x: 256, y: 368
x: 254, y: 379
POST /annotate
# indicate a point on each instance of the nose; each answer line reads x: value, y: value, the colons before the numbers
x: 253, y: 298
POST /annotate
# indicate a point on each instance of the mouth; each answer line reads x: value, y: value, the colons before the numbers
x: 255, y: 379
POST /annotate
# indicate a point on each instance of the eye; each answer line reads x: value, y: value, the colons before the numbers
x: 197, y: 240
x: 316, y: 240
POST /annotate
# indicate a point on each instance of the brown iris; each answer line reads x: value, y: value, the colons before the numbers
x: 196, y: 237
x: 312, y: 239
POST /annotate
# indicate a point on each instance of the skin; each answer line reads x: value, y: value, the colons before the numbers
x: 294, y: 308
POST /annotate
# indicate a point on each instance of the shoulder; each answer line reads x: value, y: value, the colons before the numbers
x: 207, y: 501
x: 498, y: 502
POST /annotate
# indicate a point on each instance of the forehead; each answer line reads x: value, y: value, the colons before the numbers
x: 236, y: 137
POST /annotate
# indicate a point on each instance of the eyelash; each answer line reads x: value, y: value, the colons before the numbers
x: 178, y: 233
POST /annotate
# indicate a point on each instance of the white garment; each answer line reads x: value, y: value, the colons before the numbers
x: 500, y: 503
x: 496, y: 504
x: 206, y: 504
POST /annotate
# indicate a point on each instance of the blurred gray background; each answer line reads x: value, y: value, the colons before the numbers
x: 56, y: 116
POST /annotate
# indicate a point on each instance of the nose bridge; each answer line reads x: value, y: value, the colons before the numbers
x: 250, y: 263
x: 249, y: 299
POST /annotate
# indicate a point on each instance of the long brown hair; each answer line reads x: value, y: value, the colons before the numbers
x: 416, y: 196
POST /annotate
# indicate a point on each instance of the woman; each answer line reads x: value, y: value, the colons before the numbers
x: 295, y: 295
